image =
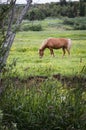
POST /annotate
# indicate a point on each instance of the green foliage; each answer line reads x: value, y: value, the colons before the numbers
x: 30, y: 27
x: 1, y: 116
x: 47, y: 105
x: 65, y: 23
x: 35, y: 28
x: 78, y: 23
x: 82, y: 6
x: 3, y: 13
x: 6, y: 26
x: 35, y: 14
x: 69, y: 9
x: 79, y: 26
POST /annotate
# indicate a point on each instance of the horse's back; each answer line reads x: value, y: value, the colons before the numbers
x: 57, y: 42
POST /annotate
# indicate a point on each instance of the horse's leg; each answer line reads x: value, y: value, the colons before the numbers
x: 63, y: 52
x: 51, y: 52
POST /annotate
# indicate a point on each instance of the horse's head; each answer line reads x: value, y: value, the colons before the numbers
x: 41, y: 53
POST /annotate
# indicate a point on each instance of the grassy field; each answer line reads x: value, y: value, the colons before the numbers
x: 26, y: 45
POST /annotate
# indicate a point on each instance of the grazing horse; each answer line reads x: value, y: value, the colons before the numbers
x: 55, y: 43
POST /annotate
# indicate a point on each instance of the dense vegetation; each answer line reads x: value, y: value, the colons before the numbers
x: 43, y: 104
x: 77, y: 23
x: 58, y: 9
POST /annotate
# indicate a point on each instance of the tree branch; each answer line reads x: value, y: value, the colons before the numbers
x: 11, y: 34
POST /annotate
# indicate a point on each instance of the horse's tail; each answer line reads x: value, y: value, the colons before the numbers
x: 69, y: 44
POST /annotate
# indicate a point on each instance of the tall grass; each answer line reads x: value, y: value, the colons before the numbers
x: 47, y: 105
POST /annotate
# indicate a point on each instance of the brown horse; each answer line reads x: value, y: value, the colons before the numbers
x: 55, y: 43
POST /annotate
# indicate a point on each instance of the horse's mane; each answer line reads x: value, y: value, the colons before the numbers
x: 43, y: 44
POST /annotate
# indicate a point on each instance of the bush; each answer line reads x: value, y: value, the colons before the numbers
x: 35, y: 28
x: 68, y: 21
x: 25, y: 28
x: 78, y: 23
x: 79, y: 26
x: 31, y: 27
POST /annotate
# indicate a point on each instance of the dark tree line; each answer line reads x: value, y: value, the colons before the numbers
x: 62, y: 8
x: 82, y: 6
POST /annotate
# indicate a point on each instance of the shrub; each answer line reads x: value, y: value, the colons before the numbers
x: 78, y: 23
x: 68, y: 21
x: 79, y: 26
x: 31, y: 27
x: 35, y: 28
x: 25, y: 28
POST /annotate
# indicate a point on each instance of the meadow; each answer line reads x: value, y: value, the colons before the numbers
x: 25, y: 50
x: 47, y: 93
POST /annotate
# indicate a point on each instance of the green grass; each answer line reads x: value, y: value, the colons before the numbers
x: 25, y: 51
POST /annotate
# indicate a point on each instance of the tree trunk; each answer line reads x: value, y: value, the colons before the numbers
x: 11, y: 34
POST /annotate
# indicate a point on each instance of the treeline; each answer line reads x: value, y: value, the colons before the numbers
x: 57, y: 9
x: 69, y: 9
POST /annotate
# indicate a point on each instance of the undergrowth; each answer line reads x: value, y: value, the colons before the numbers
x: 42, y: 104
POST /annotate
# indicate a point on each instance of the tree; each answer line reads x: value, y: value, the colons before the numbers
x: 63, y: 2
x: 82, y: 7
x: 7, y: 31
x: 35, y: 14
